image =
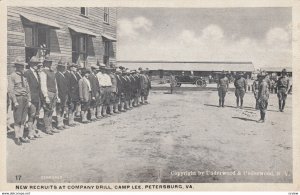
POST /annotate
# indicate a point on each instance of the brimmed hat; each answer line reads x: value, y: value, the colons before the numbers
x: 73, y: 65
x: 60, y: 63
x: 118, y: 70
x: 95, y: 67
x: 19, y: 61
x: 102, y: 66
x: 48, y: 58
x: 84, y: 71
x: 261, y: 74
x: 34, y: 60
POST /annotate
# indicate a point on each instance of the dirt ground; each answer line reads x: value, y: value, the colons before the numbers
x: 183, y: 137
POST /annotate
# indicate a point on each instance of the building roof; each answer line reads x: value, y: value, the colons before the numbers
x: 189, y: 66
x: 108, y: 37
x: 82, y: 31
x: 277, y: 69
x: 40, y: 20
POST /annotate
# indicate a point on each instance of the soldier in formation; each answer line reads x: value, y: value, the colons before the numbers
x: 95, y: 92
x: 240, y: 84
x: 263, y: 96
x: 222, y: 86
x: 283, y: 86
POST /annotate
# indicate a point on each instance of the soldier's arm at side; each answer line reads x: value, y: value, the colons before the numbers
x: 28, y: 92
x: 11, y: 91
x: 44, y: 90
x: 288, y: 86
x: 80, y: 83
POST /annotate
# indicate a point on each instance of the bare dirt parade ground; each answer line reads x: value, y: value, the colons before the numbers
x: 181, y: 137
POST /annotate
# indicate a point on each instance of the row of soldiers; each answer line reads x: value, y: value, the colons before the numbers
x: 71, y: 91
x: 261, y: 89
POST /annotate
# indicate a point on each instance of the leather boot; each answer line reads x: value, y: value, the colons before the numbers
x: 60, y: 122
x: 93, y: 114
x: 99, y: 110
x: 104, y: 111
x: 111, y: 109
x: 116, y: 108
x: 31, y: 131
x: 22, y: 138
x: 71, y: 122
x: 83, y: 116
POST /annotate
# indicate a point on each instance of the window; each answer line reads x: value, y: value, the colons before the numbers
x: 79, y: 49
x: 37, y: 41
x: 106, y: 15
x: 84, y: 11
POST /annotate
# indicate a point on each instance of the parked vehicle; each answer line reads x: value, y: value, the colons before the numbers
x: 195, y: 80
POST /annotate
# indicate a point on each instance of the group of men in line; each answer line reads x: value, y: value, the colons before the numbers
x: 71, y: 91
x: 261, y: 89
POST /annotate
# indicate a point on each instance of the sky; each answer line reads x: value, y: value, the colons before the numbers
x: 260, y: 35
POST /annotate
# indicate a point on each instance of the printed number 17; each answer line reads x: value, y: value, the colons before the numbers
x: 18, y: 177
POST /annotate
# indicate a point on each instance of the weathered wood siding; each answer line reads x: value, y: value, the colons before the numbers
x: 60, y: 40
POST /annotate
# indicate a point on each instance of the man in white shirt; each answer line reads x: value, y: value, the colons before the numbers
x: 105, y: 84
x: 50, y: 95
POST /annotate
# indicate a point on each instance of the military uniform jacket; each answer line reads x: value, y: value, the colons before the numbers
x: 67, y: 75
x: 255, y: 86
x: 223, y: 82
x: 240, y: 83
x: 149, y: 81
x: 34, y: 86
x: 18, y: 86
x: 74, y: 87
x: 119, y: 84
x: 283, y: 82
x: 62, y: 86
x: 94, y: 84
x: 263, y: 90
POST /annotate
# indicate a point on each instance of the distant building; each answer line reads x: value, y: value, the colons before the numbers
x: 203, y: 68
x: 277, y: 70
x: 81, y: 35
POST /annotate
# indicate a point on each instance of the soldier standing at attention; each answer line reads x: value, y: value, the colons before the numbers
x: 127, y: 89
x: 18, y: 90
x: 123, y: 98
x: 49, y: 93
x: 113, y: 93
x: 68, y: 75
x: 263, y: 96
x: 283, y: 86
x: 95, y: 91
x: 137, y: 96
x: 85, y: 94
x: 255, y: 92
x: 148, y: 86
x: 222, y: 86
x: 240, y: 84
x: 78, y: 74
x: 117, y: 106
x: 74, y: 99
x: 105, y: 85
x: 62, y: 86
x: 172, y: 82
x: 33, y: 77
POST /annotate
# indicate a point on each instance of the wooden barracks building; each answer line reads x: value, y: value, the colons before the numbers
x: 83, y: 35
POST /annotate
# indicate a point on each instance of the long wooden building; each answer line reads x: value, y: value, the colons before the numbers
x: 83, y: 35
x: 198, y: 68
